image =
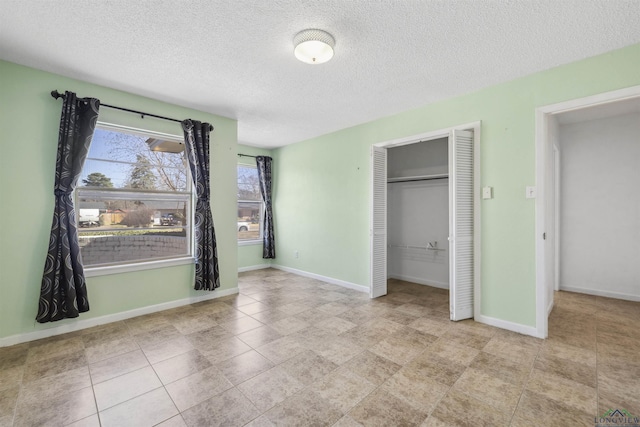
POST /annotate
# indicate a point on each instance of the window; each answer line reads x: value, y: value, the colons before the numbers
x: 134, y: 198
x: 250, y: 205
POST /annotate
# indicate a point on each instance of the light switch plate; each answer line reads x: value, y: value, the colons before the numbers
x: 487, y: 192
x: 531, y: 193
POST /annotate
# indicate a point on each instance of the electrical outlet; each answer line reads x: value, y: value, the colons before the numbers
x: 296, y: 254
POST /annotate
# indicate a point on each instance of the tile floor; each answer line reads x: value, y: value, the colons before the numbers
x: 294, y: 351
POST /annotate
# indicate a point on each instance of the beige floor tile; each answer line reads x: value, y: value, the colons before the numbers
x: 14, y: 356
x: 116, y: 366
x: 467, y: 337
x: 289, y: 325
x: 504, y: 369
x: 347, y: 421
x: 398, y: 348
x: 147, y: 410
x: 281, y: 349
x: 90, y: 421
x: 53, y: 365
x: 489, y: 389
x: 49, y: 388
x: 107, y: 350
x: 421, y: 393
x: 430, y: 326
x: 293, y: 308
x: 343, y: 389
x: 371, y: 367
x: 10, y: 377
x: 245, y: 366
x: 175, y: 421
x: 568, y: 392
x: 335, y: 325
x: 259, y: 336
x: 308, y: 367
x: 384, y: 409
x: 170, y: 370
x: 160, y: 334
x: 119, y: 389
x: 338, y: 350
x: 329, y: 362
x: 240, y: 325
x: 230, y: 408
x: 253, y: 308
x: 8, y: 399
x: 427, y: 365
x: 164, y: 350
x: 270, y: 388
x: 189, y: 391
x: 455, y: 352
x: 566, y: 368
x: 458, y: 408
x: 52, y: 347
x: 305, y: 408
x: 534, y: 409
x: 226, y: 349
x: 55, y: 409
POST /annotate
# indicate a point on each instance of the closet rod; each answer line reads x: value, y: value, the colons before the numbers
x: 410, y: 179
x: 56, y: 95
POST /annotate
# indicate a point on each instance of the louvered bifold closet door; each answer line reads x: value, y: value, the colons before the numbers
x: 379, y: 222
x: 461, y: 193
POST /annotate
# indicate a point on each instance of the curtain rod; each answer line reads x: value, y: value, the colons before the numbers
x: 245, y: 155
x: 57, y: 95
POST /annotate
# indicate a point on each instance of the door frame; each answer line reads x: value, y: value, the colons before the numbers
x: 544, y: 115
x: 437, y: 134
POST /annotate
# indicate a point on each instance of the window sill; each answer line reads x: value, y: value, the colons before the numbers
x: 139, y: 266
x: 249, y: 242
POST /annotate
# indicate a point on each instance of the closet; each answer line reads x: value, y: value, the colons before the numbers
x: 418, y: 213
x: 424, y: 214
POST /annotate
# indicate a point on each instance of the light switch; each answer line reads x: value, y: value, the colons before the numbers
x: 531, y: 193
x: 487, y: 192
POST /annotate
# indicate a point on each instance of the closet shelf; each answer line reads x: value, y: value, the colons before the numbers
x: 418, y: 178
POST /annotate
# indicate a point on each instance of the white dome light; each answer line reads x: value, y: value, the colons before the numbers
x: 313, y: 46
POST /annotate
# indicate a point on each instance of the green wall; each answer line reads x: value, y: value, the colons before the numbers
x: 251, y: 255
x: 322, y: 184
x: 29, y: 119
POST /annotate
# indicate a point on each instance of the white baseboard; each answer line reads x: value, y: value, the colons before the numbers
x: 600, y: 293
x: 253, y: 267
x: 549, y: 308
x: 418, y: 280
x: 510, y: 326
x: 331, y: 280
x: 109, y: 318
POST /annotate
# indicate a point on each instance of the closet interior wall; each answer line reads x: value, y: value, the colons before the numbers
x: 418, y: 213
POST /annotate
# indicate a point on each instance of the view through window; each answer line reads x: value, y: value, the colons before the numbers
x: 134, y: 199
x: 250, y: 206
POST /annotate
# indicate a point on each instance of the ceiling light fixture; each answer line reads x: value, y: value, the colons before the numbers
x: 313, y: 46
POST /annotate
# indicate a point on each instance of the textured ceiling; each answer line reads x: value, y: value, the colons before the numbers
x: 235, y: 57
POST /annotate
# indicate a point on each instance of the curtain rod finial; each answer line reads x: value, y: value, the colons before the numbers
x: 56, y: 94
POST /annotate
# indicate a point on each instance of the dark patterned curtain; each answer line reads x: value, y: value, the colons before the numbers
x: 196, y: 136
x: 64, y: 292
x: 268, y: 238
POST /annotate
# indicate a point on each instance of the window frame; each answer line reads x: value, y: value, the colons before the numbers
x: 258, y: 241
x: 145, y: 264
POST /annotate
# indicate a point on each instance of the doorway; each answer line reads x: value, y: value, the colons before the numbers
x: 562, y: 206
x: 464, y: 216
